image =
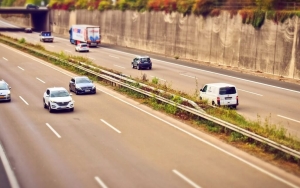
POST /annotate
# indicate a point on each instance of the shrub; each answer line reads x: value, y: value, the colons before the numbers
x: 22, y: 41
x: 185, y: 6
x: 105, y: 5
x: 203, y: 7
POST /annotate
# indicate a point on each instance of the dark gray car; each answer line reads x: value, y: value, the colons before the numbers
x: 82, y: 85
x: 141, y: 62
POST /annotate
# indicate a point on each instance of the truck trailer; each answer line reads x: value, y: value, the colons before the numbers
x: 89, y: 34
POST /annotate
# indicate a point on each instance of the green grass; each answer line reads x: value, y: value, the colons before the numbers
x: 262, y: 127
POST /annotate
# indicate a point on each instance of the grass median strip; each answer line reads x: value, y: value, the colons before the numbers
x: 261, y: 127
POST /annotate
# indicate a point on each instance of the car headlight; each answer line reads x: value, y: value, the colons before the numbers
x: 93, y: 87
x: 52, y: 101
x: 78, y: 88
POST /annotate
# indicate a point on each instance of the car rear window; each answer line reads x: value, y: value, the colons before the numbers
x: 227, y: 90
x: 83, y: 45
x: 145, y: 59
x: 46, y: 33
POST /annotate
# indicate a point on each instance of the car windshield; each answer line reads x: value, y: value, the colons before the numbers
x: 227, y: 90
x: 82, y: 80
x: 46, y: 33
x: 59, y: 93
x: 3, y: 86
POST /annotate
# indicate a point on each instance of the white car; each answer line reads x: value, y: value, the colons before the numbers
x: 58, y: 98
x: 82, y: 47
x: 4, y: 91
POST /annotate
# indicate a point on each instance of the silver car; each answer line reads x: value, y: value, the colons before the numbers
x: 4, y: 91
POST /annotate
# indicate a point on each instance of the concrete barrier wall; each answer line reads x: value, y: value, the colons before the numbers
x: 273, y: 49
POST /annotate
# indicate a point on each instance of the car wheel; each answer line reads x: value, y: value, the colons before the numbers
x: 70, y: 89
x: 45, y: 106
x: 76, y: 92
x: 49, y: 107
x: 150, y: 68
x: 138, y: 67
x: 132, y: 65
x: 71, y: 109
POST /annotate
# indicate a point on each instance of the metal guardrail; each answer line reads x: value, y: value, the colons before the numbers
x: 114, y: 78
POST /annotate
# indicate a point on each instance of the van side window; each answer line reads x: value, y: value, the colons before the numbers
x: 227, y: 90
x: 204, y: 89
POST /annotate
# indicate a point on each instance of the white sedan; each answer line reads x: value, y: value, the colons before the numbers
x: 82, y: 47
x: 58, y: 98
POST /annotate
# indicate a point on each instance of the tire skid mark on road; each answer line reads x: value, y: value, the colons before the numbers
x: 23, y: 100
x: 100, y: 182
x: 51, y: 128
x: 115, y: 129
x: 186, y: 179
x: 288, y: 118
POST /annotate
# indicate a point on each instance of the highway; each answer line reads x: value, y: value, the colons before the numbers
x: 110, y: 140
x: 259, y: 97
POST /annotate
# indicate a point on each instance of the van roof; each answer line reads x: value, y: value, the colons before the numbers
x: 221, y: 84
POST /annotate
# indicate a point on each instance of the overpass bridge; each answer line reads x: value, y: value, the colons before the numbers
x: 39, y: 18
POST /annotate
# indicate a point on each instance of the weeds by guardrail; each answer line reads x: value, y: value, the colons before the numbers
x: 174, y: 104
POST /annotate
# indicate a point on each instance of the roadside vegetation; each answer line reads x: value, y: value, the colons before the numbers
x: 262, y: 126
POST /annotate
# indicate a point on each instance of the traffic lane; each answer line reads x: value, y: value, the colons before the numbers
x: 256, y: 107
x: 134, y: 161
x: 139, y: 121
x: 3, y: 175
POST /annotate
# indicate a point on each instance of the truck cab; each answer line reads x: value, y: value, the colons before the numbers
x: 45, y: 36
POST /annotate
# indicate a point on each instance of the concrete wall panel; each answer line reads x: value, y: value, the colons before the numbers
x: 219, y: 40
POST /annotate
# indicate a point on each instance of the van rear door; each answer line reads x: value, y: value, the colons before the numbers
x: 228, y: 95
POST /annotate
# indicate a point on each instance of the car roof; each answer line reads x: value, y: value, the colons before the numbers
x: 56, y: 88
x: 221, y: 84
x: 140, y: 56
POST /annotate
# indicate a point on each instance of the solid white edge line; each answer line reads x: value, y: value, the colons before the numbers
x: 9, y: 172
x: 250, y: 92
x: 23, y: 100
x: 92, y: 58
x: 8, y: 24
x: 110, y: 126
x: 186, y: 179
x: 189, y: 76
x: 40, y: 80
x: 5, y: 59
x: 210, y: 144
x: 158, y: 78
x: 119, y: 66
x: 288, y: 118
x: 186, y: 132
x: 100, y: 182
x: 20, y: 68
x: 49, y: 126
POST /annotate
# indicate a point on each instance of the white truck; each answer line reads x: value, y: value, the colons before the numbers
x: 89, y: 34
x: 45, y: 36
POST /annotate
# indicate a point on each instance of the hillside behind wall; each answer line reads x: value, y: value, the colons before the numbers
x: 274, y: 48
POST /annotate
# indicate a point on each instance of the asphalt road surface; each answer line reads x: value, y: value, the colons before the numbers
x: 259, y: 98
x: 110, y: 140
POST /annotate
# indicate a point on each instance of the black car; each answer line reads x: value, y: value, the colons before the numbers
x: 81, y: 85
x: 31, y: 6
x: 141, y: 62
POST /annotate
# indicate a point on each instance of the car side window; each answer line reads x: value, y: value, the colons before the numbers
x: 48, y: 92
x: 204, y: 89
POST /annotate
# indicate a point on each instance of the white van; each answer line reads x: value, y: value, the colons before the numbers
x: 220, y: 94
